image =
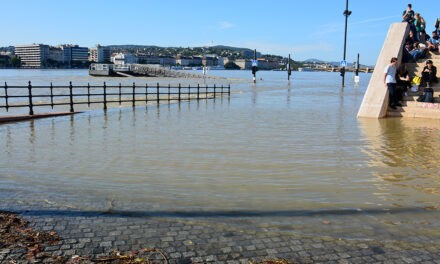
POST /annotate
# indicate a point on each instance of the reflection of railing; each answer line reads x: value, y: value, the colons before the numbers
x: 91, y: 94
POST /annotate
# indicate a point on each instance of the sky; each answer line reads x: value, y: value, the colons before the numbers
x: 303, y: 28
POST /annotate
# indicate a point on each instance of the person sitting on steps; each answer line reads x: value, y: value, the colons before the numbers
x: 408, y: 16
x: 419, y: 51
x: 433, y: 42
x: 411, y: 39
x: 429, y: 74
x: 403, y: 81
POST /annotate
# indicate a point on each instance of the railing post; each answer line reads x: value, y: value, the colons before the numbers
x: 221, y: 90
x: 146, y: 90
x: 105, y: 96
x: 157, y: 90
x: 198, y: 91
x: 229, y: 89
x: 169, y: 92
x: 146, y: 93
x: 88, y: 94
x: 31, y: 106
x: 120, y: 94
x: 214, y: 91
x: 180, y: 87
x: 71, y: 97
x: 189, y: 91
x: 206, y: 91
x: 133, y: 98
x: 6, y: 96
x: 51, y: 95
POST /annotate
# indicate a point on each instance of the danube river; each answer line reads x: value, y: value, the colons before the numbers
x: 272, y: 148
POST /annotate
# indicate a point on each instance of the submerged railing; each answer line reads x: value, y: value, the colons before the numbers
x: 32, y: 96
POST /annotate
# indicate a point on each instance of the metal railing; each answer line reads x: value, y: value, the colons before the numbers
x: 32, y: 96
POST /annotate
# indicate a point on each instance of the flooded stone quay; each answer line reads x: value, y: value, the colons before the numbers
x: 275, y: 171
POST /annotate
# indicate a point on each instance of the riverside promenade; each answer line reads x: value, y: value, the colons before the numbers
x: 225, y: 237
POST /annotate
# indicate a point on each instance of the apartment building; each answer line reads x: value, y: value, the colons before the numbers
x: 32, y: 56
x: 99, y: 54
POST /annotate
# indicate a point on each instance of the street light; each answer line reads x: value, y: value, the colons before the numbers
x: 346, y: 13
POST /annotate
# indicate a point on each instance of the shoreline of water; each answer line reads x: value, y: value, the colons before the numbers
x: 271, y: 146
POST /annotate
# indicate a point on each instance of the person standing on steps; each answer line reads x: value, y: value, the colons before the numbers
x: 420, y: 25
x: 408, y: 16
x: 389, y: 79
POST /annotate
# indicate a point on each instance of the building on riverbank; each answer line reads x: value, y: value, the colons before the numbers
x: 99, y: 54
x: 32, y: 56
x: 37, y: 56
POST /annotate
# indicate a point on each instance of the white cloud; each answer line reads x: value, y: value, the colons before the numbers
x: 377, y: 19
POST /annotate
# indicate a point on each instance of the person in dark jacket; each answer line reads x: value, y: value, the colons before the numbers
x: 429, y: 74
x: 403, y: 81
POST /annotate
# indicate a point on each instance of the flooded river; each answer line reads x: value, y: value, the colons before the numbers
x: 272, y: 148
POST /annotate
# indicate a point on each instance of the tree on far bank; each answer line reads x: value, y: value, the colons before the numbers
x: 15, y: 62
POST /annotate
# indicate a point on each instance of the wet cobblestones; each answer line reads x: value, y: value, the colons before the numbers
x: 219, y: 240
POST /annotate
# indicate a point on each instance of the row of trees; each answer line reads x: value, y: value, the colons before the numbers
x: 9, y: 62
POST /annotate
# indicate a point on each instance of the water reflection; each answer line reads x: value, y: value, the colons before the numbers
x: 251, y: 152
x: 404, y: 154
x: 32, y: 141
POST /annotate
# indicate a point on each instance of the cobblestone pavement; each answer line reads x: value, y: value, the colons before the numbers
x: 228, y: 237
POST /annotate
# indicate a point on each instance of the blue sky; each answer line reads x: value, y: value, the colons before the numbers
x: 304, y: 28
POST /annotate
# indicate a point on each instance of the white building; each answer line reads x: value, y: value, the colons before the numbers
x: 32, y: 56
x: 124, y: 58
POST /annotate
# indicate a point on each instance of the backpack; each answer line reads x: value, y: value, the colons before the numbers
x: 427, y: 96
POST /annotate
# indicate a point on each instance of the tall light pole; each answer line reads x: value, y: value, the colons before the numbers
x: 346, y: 13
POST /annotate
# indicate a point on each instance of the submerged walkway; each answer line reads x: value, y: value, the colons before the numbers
x: 227, y: 237
x: 17, y: 118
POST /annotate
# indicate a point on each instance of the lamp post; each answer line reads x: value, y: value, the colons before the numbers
x: 346, y: 13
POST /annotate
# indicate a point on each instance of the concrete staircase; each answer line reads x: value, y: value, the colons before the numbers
x: 410, y: 106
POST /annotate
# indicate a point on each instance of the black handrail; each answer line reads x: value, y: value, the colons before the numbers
x: 70, y: 95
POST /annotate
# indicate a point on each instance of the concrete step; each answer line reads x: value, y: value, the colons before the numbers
x: 415, y: 104
x: 424, y: 110
x: 412, y: 96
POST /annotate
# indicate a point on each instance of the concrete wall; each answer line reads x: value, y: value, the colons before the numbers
x: 375, y: 102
